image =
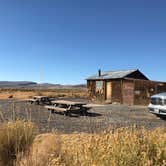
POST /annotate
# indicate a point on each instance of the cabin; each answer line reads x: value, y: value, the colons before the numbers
x: 129, y: 87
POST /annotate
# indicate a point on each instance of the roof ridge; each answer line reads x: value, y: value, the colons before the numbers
x: 120, y: 70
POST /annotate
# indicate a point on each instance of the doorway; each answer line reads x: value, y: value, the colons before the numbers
x: 109, y: 91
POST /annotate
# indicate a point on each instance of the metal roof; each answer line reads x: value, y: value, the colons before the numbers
x: 112, y: 74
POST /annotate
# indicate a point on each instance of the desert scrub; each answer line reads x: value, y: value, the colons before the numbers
x: 120, y: 147
x: 15, y: 137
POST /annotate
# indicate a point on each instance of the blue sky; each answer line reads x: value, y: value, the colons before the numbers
x: 65, y: 41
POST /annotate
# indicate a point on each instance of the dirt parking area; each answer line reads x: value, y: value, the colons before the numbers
x: 100, y: 117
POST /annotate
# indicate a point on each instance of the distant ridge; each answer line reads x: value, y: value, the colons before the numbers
x: 59, y: 86
x: 16, y: 83
x: 30, y: 84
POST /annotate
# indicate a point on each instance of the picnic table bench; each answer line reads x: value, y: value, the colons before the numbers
x: 68, y: 106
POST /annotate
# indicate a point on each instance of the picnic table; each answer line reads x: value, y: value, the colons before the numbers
x: 39, y: 100
x: 67, y: 107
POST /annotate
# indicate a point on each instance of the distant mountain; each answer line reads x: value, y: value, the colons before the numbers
x: 47, y: 84
x: 59, y: 86
x: 74, y: 86
x: 17, y: 83
x: 30, y: 84
x: 80, y: 86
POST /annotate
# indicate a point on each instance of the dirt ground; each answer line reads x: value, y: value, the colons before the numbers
x: 100, y: 117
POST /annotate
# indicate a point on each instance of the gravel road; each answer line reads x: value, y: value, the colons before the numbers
x: 99, y: 117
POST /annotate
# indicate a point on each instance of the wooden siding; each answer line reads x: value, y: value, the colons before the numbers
x: 144, y: 89
x: 116, y: 91
x: 128, y: 92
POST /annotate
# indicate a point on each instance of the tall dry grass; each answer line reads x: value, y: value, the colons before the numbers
x: 120, y: 147
x: 19, y: 146
x: 15, y: 137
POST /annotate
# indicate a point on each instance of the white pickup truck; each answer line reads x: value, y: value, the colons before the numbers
x: 158, y: 104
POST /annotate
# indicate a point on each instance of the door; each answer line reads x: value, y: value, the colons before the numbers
x: 109, y: 91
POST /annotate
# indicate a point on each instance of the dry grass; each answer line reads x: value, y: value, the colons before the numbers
x: 120, y: 147
x: 114, y: 147
x: 28, y: 93
x: 15, y: 137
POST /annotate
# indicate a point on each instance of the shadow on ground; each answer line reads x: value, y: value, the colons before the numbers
x: 163, y: 117
x: 77, y: 113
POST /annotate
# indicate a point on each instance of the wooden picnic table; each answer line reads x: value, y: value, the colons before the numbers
x: 39, y: 100
x: 67, y: 107
x: 70, y: 103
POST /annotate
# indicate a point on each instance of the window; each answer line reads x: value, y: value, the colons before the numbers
x: 99, y: 85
